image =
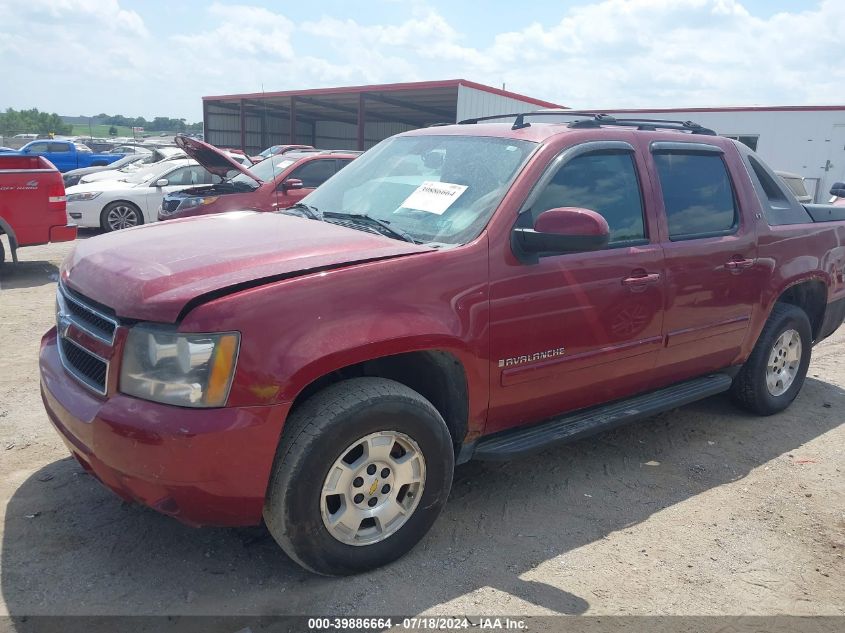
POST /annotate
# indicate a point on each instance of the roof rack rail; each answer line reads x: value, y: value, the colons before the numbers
x: 597, y: 119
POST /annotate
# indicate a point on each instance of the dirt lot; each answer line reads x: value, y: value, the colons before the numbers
x: 702, y: 510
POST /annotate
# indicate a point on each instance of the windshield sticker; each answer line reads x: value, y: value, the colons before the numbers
x: 434, y: 197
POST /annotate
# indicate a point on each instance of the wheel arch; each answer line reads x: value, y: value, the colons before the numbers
x: 437, y: 375
x: 809, y: 294
x: 124, y: 201
x: 6, y: 228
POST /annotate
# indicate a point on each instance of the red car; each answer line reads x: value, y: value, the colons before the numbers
x: 272, y: 184
x: 481, y: 290
x: 32, y: 203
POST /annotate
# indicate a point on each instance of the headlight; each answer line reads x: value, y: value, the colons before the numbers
x: 190, y: 203
x: 188, y: 370
x: 88, y: 195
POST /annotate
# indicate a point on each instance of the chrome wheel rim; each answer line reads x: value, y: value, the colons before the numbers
x: 373, y: 488
x: 121, y: 217
x: 784, y: 360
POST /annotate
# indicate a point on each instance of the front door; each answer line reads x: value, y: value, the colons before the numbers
x: 575, y: 330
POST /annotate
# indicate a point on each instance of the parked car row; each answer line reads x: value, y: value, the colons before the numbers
x: 196, y: 178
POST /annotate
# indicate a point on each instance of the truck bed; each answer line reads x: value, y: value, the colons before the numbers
x: 825, y: 212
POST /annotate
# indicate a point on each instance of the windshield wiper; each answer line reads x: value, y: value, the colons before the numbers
x: 311, y: 212
x: 383, y: 224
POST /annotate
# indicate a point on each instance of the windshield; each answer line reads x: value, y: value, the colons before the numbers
x: 434, y: 188
x: 269, y: 151
x: 266, y: 170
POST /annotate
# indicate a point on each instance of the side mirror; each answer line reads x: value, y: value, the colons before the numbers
x: 838, y: 189
x: 562, y: 230
x: 292, y: 183
x: 162, y: 182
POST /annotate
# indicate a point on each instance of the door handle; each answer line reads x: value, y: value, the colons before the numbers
x: 639, y: 282
x: 738, y: 265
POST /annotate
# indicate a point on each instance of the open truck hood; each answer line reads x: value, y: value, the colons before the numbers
x: 153, y: 272
x: 212, y: 158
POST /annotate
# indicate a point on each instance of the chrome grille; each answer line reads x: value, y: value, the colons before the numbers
x: 89, y: 369
x: 85, y: 365
x: 87, y: 317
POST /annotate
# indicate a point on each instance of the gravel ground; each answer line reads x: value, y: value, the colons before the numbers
x: 702, y: 510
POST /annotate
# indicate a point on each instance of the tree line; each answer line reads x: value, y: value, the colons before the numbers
x: 32, y: 122
x: 159, y: 123
x: 36, y: 122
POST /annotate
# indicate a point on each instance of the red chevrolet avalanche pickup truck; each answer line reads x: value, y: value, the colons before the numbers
x: 480, y: 290
x: 33, y: 206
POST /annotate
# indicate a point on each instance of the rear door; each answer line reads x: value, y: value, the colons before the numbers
x: 574, y: 330
x: 710, y: 246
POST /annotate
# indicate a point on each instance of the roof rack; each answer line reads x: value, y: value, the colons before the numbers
x: 596, y: 119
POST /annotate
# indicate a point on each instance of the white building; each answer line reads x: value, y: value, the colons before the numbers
x: 806, y: 140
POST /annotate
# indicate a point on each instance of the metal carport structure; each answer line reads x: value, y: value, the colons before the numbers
x: 353, y: 117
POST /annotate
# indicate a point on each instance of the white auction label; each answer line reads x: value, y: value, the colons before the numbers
x: 434, y: 197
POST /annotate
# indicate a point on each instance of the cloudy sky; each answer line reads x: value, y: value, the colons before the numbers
x: 149, y: 57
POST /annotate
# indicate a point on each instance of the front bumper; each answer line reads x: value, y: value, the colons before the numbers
x: 201, y: 466
x: 86, y: 213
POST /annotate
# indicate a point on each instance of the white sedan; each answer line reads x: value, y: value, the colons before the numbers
x: 148, y: 163
x: 134, y: 200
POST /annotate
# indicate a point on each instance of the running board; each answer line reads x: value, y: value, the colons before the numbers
x: 523, y: 441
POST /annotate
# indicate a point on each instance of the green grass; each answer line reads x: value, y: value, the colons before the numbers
x: 102, y: 131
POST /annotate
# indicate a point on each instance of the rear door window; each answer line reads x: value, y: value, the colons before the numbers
x: 697, y: 194
x: 59, y: 147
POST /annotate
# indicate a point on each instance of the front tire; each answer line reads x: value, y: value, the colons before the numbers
x: 120, y: 215
x: 362, y: 471
x: 773, y: 374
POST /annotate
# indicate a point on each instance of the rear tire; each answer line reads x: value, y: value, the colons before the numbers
x: 774, y: 372
x: 362, y: 471
x: 2, y: 251
x: 120, y: 215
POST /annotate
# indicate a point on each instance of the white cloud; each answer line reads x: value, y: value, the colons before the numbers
x: 95, y: 55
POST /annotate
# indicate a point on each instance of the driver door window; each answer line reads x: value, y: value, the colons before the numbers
x: 605, y: 183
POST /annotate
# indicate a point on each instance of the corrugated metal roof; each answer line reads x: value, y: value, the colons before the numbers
x: 379, y: 88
